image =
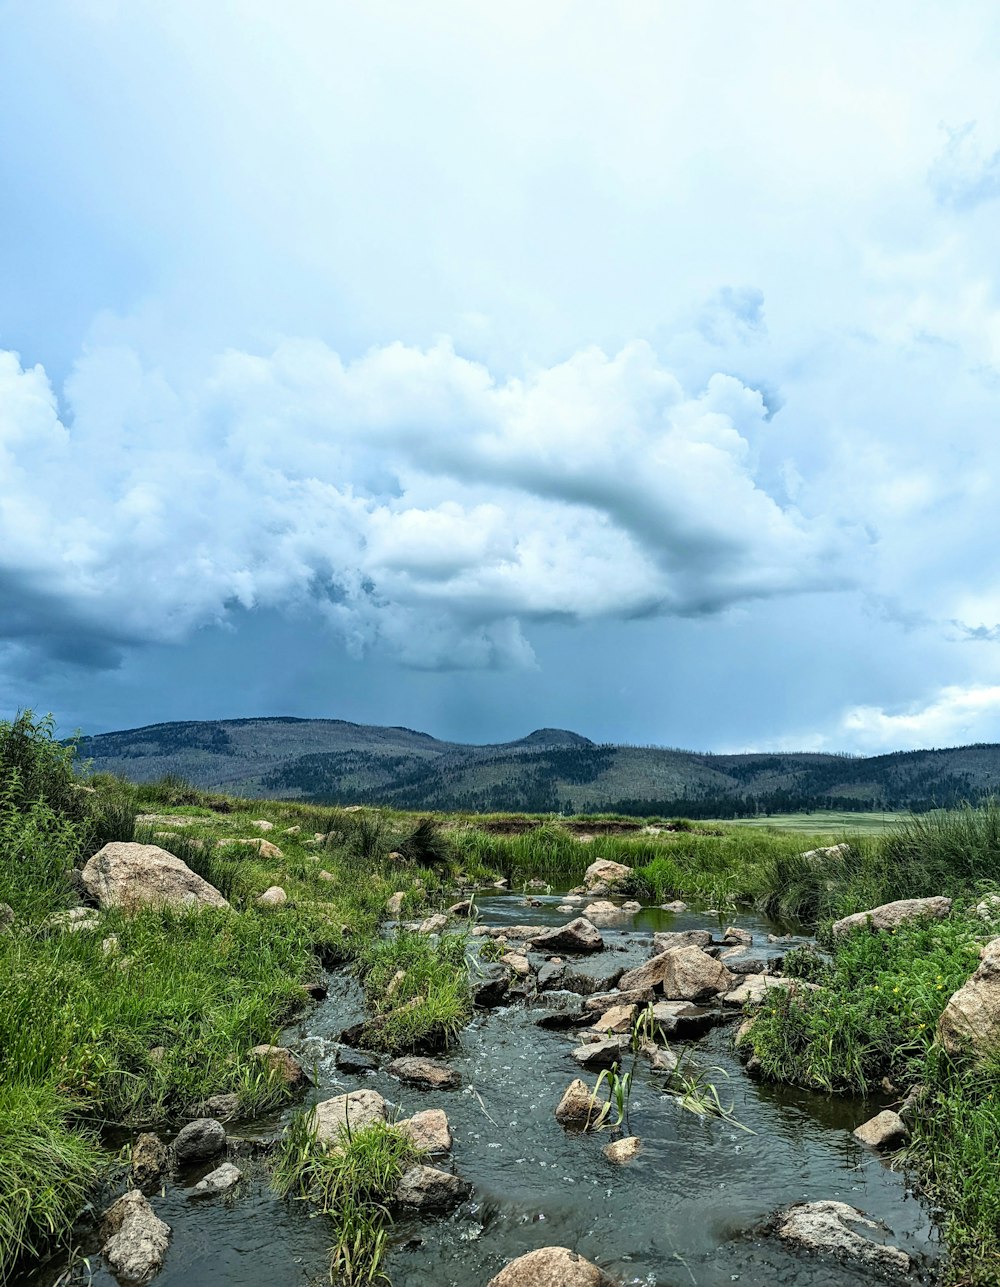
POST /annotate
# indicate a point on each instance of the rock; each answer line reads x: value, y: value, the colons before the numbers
x: 677, y: 907
x: 618, y: 1018
x: 537, y: 884
x: 395, y: 905
x: 593, y: 976
x: 890, y: 915
x: 292, y: 831
x: 127, y: 875
x: 622, y: 1151
x: 741, y: 1040
x: 426, y: 1188
x: 204, y: 1137
x: 150, y: 1157
x: 681, y: 938
x: 428, y: 1130
x: 971, y: 1019
x: 265, y: 849
x: 577, y: 1106
x: 75, y: 920
x: 632, y: 907
x: 355, y: 1061
x: 464, y: 908
x: 221, y: 1180
x: 355, y: 1111
x: 735, y: 935
x: 7, y: 917
x: 433, y: 924
x: 316, y: 990
x: 281, y: 1061
x: 684, y: 1020
x: 755, y: 987
x: 550, y: 975
x: 578, y: 936
x: 602, y: 910
x: 683, y: 973
x: 605, y: 872
x: 551, y: 1267
x: 427, y: 1073
x: 221, y: 1107
x: 826, y: 1227
x: 661, y: 1059
x: 518, y: 965
x: 601, y: 1054
x: 324, y: 875
x: 886, y: 1130
x: 157, y: 1054
x: 565, y: 908
x: 273, y: 897
x: 989, y: 908
x: 491, y: 989
x: 134, y: 1240
x: 601, y: 1001
x: 827, y: 853
x: 262, y: 824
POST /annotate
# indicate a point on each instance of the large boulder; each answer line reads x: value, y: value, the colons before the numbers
x: 831, y: 1227
x: 891, y: 915
x: 605, y: 872
x: 578, y: 936
x: 971, y: 1019
x: 331, y: 1118
x: 683, y: 974
x: 426, y: 1188
x: 551, y: 1267
x: 133, y: 1238
x: 128, y: 875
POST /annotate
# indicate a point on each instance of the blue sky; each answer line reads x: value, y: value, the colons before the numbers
x: 630, y: 368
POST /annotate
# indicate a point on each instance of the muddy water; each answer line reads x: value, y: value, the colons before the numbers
x: 686, y: 1211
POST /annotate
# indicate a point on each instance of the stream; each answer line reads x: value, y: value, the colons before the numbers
x: 686, y: 1211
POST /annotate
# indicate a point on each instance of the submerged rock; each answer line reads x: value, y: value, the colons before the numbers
x: 551, y: 1267
x: 886, y: 1130
x: 622, y: 1151
x: 127, y: 875
x: 428, y: 1130
x: 827, y: 1227
x: 427, y: 1073
x: 891, y: 915
x: 578, y: 936
x: 971, y: 1019
x: 134, y: 1239
x: 428, y: 1188
x: 221, y: 1180
x: 202, y: 1138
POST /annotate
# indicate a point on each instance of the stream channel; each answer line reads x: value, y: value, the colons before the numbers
x: 687, y: 1211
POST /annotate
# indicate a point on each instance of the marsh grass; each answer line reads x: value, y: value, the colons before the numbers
x: 426, y: 1008
x: 352, y: 1185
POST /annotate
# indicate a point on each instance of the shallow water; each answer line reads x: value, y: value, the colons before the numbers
x: 685, y: 1211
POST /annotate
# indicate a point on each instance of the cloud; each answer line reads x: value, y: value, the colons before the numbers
x: 963, y: 176
x: 408, y: 498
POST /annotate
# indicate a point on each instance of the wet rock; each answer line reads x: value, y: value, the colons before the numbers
x: 550, y: 975
x: 632, y: 906
x: 618, y: 1018
x: 602, y: 910
x: 661, y: 1058
x: 890, y: 915
x: 578, y: 936
x: 622, y: 1151
x: 684, y: 1020
x: 316, y: 989
x: 134, y: 1239
x: 265, y: 849
x: 830, y: 1227
x: 598, y: 1002
x: 605, y: 872
x: 355, y: 1061
x: 491, y: 989
x: 734, y: 935
x: 518, y: 965
x: 221, y: 1107
x: 601, y: 1054
x: 127, y: 875
x: 272, y: 897
x: 354, y: 1111
x: 75, y: 920
x: 221, y: 1180
x: 737, y: 961
x: 551, y: 1267
x: 577, y: 1107
x: 150, y: 1157
x: 433, y: 924
x: 428, y: 1130
x: 394, y: 906
x: 426, y: 1073
x: 677, y: 907
x: 886, y: 1130
x: 589, y: 978
x: 971, y: 1019
x: 562, y: 1020
x: 681, y: 938
x: 204, y: 1137
x: 427, y: 1188
x: 280, y: 1061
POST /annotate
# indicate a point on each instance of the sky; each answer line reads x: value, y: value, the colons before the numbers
x: 625, y: 367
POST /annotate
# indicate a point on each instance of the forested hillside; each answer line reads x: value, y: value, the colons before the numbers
x: 332, y: 761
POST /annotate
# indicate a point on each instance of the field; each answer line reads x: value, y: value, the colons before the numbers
x: 830, y: 823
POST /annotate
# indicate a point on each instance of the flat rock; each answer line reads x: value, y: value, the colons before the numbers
x: 601, y: 1054
x: 891, y: 915
x: 221, y: 1180
x: 598, y: 1002
x: 433, y: 924
x: 356, y: 1110
x: 134, y: 1239
x: 622, y: 1151
x: 551, y: 1267
x: 676, y: 907
x: 603, y: 910
x: 427, y: 1188
x: 755, y: 987
x: 464, y: 908
x: 428, y: 1130
x: 578, y: 936
x: 426, y: 1073
x: 204, y: 1137
x: 663, y: 942
x: 605, y: 872
x: 886, y: 1130
x: 831, y: 1227
x: 597, y: 975
x: 683, y: 1019
x: 127, y: 875
x: 222, y: 1107
x: 618, y: 1018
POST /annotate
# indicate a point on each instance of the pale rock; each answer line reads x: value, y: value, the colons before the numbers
x: 221, y: 1180
x: 517, y: 964
x: 601, y: 1054
x: 683, y: 974
x: 577, y: 1106
x: 76, y: 920
x: 262, y: 824
x: 605, y: 872
x: 273, y: 897
x: 735, y: 935
x: 578, y: 936
x: 427, y: 1130
x: 551, y: 1267
x: 891, y: 915
x: 602, y: 910
x: 886, y: 1130
x: 128, y: 875
x: 618, y: 1019
x: 971, y: 1019
x: 632, y: 907
x: 663, y: 942
x: 265, y: 849
x: 433, y: 924
x: 426, y: 1188
x: 395, y: 905
x: 677, y: 907
x: 134, y: 1239
x: 332, y: 1118
x: 623, y: 1151
x: 282, y: 1063
x: 427, y: 1073
x: 831, y: 1227
x: 827, y: 853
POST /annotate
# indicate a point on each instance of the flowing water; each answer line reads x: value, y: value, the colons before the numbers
x: 687, y: 1210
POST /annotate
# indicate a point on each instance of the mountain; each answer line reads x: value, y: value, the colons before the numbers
x: 550, y: 770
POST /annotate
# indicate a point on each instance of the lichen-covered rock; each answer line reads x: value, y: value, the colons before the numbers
x: 971, y: 1019
x: 427, y: 1188
x: 551, y: 1267
x: 578, y: 936
x: 886, y: 1130
x: 830, y: 1227
x: 577, y: 1108
x: 354, y: 1111
x: 428, y: 1130
x: 891, y: 915
x: 150, y: 1157
x: 221, y: 1180
x: 127, y: 875
x: 605, y: 872
x: 281, y: 1061
x: 202, y: 1138
x: 622, y: 1151
x: 394, y: 906
x: 427, y: 1073
x: 134, y: 1239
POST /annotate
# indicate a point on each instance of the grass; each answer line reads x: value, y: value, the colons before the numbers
x: 352, y: 1185
x: 417, y: 991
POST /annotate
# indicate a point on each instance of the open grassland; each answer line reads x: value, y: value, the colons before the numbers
x: 137, y: 1022
x: 831, y: 823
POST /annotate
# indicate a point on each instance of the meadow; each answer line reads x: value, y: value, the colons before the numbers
x: 135, y: 1025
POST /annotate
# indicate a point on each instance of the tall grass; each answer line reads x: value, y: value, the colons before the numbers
x: 417, y: 990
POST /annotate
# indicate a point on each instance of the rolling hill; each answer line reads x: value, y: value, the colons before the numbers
x: 336, y: 762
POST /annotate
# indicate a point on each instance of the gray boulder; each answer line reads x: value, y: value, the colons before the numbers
x: 134, y: 1239
x: 971, y: 1019
x: 886, y: 1130
x: 127, y: 875
x: 578, y: 936
x: 426, y: 1073
x: 891, y: 915
x: 831, y: 1228
x: 426, y: 1188
x: 202, y: 1138
x: 356, y: 1110
x: 601, y: 1054
x: 428, y: 1131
